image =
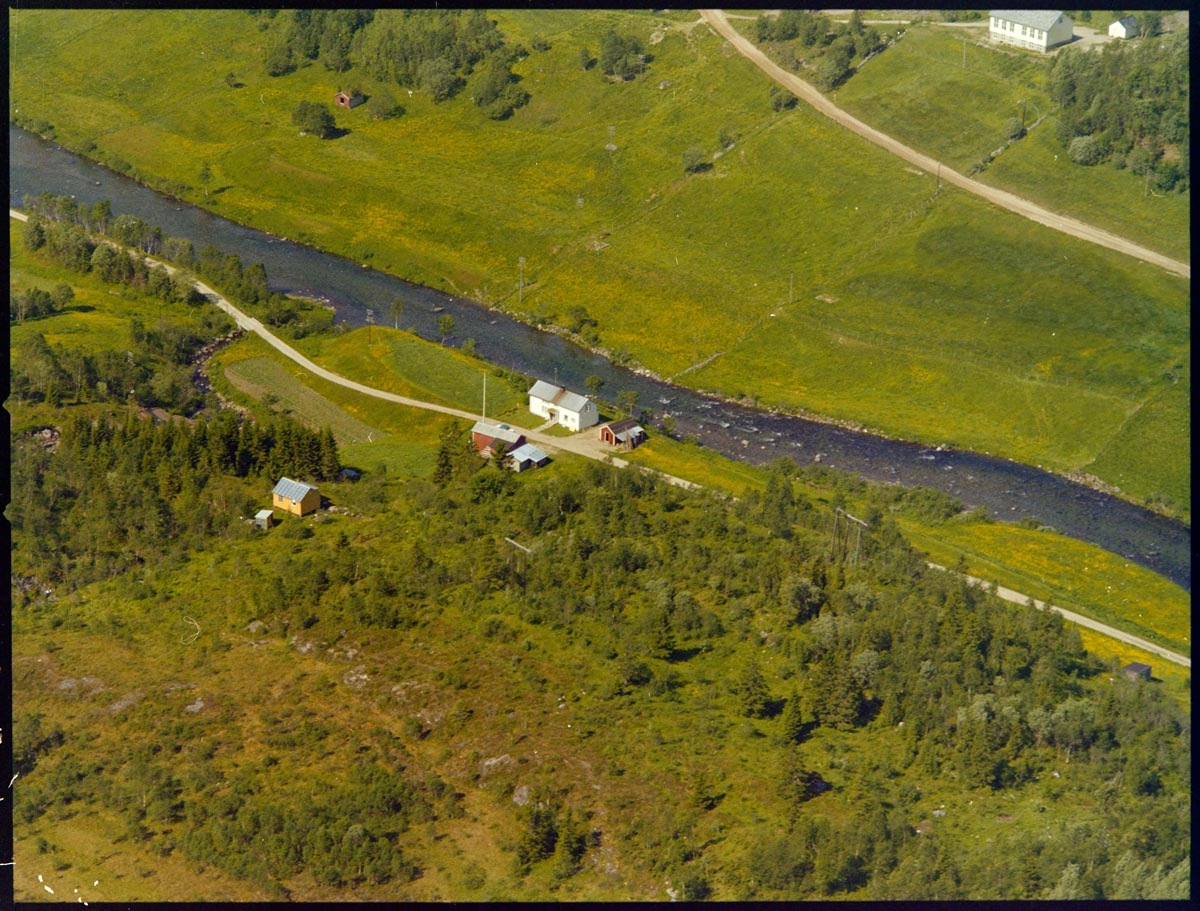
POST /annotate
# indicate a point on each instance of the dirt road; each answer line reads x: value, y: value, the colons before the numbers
x: 586, y: 443
x: 801, y: 89
x: 1017, y: 598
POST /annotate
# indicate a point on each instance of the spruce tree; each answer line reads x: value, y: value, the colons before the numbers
x: 793, y: 720
x: 752, y: 690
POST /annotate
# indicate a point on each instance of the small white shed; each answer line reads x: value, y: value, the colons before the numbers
x: 1124, y: 28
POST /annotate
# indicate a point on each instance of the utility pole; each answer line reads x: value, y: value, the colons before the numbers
x: 370, y: 323
x: 524, y: 561
x: 483, y: 413
x: 838, y: 548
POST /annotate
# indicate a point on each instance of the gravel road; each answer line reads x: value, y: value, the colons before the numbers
x: 1013, y: 203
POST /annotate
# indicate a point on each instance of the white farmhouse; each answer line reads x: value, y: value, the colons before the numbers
x: 1035, y: 29
x: 1124, y: 28
x: 568, y: 409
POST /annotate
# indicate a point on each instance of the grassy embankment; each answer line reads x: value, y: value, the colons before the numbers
x: 923, y: 316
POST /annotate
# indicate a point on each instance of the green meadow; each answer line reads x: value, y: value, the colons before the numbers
x: 914, y: 92
x: 1064, y: 572
x: 804, y: 270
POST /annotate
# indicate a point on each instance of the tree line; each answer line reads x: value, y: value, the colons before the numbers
x: 1128, y: 104
x: 67, y: 232
x: 828, y: 51
x: 441, y: 52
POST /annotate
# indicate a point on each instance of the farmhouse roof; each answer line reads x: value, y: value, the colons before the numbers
x: 528, y: 451
x: 558, y: 396
x: 292, y: 490
x: 496, y: 432
x: 1136, y: 669
x: 572, y: 401
x: 265, y: 514
x: 543, y: 390
x: 1034, y: 18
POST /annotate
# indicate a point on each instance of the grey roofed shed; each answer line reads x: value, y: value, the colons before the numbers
x: 527, y: 456
x: 1136, y: 670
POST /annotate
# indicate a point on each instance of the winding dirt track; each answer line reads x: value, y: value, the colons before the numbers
x: 801, y: 89
x: 584, y: 444
x: 1070, y: 616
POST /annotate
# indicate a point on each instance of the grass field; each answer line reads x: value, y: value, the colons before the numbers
x: 914, y: 92
x: 817, y: 271
x: 1064, y: 572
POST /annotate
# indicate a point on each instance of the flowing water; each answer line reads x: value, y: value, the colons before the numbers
x: 1009, y: 490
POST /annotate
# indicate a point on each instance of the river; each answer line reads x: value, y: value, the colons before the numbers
x: 1009, y: 490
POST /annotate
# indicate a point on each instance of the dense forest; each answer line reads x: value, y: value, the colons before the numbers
x: 437, y: 51
x: 112, y: 496
x: 1128, y: 103
x: 758, y: 620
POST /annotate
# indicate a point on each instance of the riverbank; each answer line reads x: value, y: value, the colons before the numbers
x: 685, y: 427
x: 828, y: 362
x: 1007, y: 489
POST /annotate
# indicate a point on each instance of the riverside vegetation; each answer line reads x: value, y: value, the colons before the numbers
x: 867, y: 296
x: 668, y: 692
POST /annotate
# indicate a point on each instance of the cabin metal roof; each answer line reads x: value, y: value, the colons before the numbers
x: 528, y: 452
x: 292, y: 490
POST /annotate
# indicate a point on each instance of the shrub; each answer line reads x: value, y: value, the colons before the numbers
x: 1085, y: 150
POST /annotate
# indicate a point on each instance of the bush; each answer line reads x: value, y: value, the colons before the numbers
x: 781, y: 99
x: 1013, y: 128
x: 313, y: 117
x: 1085, y: 150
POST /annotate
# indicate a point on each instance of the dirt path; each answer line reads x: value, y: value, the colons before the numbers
x: 585, y: 443
x: 1017, y: 598
x: 801, y: 89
